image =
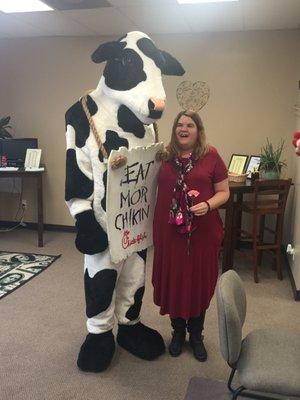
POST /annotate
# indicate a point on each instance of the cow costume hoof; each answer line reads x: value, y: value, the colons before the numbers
x: 141, y: 341
x: 96, y: 352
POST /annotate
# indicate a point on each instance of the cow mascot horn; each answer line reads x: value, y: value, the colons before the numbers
x: 119, y: 112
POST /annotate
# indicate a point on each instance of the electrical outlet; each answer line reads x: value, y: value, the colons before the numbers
x: 24, y: 203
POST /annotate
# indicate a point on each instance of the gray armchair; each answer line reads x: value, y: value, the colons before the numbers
x: 266, y: 360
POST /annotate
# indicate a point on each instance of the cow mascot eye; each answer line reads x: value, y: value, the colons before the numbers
x: 126, y: 60
x: 124, y: 70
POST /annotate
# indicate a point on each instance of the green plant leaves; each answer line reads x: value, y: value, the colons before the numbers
x: 4, y: 121
x: 270, y: 156
x: 4, y: 134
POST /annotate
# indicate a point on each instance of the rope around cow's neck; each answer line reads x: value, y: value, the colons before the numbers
x: 120, y: 160
x: 93, y: 126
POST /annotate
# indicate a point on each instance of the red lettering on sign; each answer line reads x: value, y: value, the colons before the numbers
x: 127, y: 241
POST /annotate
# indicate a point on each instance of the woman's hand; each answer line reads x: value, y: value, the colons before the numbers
x: 200, y: 209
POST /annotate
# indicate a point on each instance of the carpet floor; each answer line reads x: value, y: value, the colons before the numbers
x: 43, y: 326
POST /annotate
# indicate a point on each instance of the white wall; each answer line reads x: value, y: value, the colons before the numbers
x: 252, y: 77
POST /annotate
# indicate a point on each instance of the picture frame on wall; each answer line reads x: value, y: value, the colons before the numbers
x: 253, y: 165
x: 237, y: 163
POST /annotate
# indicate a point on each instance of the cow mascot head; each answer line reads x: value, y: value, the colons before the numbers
x: 119, y: 112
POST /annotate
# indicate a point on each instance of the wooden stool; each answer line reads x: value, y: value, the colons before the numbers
x: 270, y: 197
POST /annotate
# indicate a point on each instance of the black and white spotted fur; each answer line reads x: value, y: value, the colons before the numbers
x: 123, y: 110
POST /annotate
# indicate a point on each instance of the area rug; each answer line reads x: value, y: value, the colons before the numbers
x: 18, y: 268
x: 207, y: 389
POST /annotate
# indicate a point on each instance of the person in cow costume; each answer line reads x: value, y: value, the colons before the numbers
x: 119, y: 112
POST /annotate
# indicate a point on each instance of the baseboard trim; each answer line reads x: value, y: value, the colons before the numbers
x: 33, y: 225
x: 293, y: 284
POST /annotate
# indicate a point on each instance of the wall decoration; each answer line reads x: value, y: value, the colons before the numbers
x: 192, y: 95
x: 237, y: 163
x: 252, y: 165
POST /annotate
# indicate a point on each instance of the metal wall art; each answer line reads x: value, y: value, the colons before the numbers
x: 192, y: 95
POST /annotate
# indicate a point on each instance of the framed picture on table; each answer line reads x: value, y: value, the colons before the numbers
x: 253, y: 165
x: 237, y: 163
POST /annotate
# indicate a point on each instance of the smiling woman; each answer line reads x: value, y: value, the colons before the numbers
x: 188, y: 231
x: 186, y: 134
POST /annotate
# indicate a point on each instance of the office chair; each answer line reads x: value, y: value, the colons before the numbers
x: 269, y: 198
x: 266, y: 360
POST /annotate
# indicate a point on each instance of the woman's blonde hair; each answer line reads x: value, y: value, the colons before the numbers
x: 200, y: 147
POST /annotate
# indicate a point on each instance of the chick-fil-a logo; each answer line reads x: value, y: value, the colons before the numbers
x: 127, y: 241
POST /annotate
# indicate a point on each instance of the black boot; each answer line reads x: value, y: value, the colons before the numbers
x: 195, y: 327
x: 199, y: 350
x: 178, y: 336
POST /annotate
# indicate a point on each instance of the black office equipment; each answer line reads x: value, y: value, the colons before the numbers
x: 15, y: 150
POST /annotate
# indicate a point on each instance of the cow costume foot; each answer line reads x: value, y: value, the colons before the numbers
x: 141, y: 341
x: 96, y: 352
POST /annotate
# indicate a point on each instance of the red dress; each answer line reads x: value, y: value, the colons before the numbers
x: 184, y: 284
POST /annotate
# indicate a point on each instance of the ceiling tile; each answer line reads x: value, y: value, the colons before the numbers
x: 11, y: 26
x: 214, y: 16
x: 140, y: 3
x: 105, y: 21
x: 154, y: 16
x: 77, y: 4
x: 162, y: 19
x: 54, y: 23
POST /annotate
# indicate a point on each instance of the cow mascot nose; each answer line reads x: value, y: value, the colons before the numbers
x: 120, y: 112
x: 156, y: 107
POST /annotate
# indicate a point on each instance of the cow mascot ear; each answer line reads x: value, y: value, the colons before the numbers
x: 164, y: 61
x: 107, y: 51
x: 171, y: 66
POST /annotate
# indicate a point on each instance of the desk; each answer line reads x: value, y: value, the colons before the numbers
x: 38, y: 177
x: 237, y: 190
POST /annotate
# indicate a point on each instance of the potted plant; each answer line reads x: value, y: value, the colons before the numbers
x: 4, y: 126
x: 254, y: 174
x: 270, y: 163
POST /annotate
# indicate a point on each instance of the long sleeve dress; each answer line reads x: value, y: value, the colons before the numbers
x: 184, y: 282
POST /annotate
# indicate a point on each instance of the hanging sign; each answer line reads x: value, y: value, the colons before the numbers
x: 130, y: 201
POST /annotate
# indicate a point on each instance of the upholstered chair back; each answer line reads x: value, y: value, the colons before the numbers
x: 231, y: 303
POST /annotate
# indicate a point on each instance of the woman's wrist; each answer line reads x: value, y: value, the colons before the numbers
x: 208, y: 205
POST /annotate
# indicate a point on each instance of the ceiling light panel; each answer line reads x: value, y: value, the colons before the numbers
x: 15, y: 6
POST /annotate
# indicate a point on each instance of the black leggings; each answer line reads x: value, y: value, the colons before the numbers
x: 194, y: 324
